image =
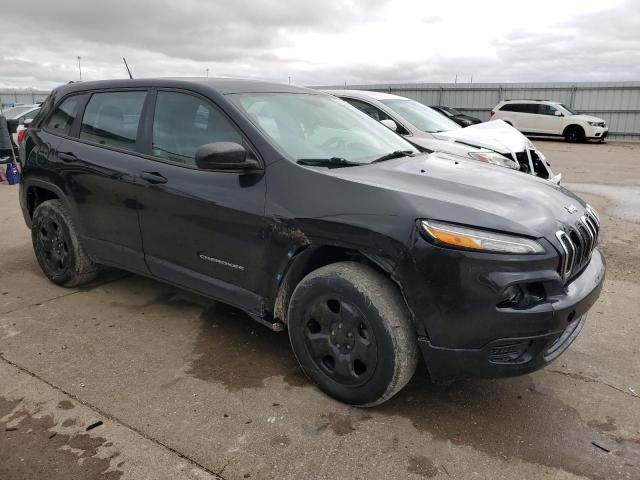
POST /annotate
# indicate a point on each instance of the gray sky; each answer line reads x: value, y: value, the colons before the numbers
x: 321, y: 42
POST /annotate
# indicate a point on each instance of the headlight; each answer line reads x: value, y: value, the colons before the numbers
x: 477, y: 239
x: 597, y: 124
x: 495, y: 159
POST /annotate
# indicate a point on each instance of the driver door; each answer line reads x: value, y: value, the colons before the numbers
x: 201, y: 229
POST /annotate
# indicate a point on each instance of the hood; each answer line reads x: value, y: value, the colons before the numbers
x: 445, y: 146
x: 495, y: 135
x: 471, y: 193
x: 586, y: 118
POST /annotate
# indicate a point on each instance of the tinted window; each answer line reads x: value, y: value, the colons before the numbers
x: 183, y: 122
x: 370, y: 110
x: 32, y: 114
x: 546, y: 109
x: 520, y: 107
x: 112, y: 119
x: 62, y: 117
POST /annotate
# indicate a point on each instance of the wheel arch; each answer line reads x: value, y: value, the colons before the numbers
x: 314, y: 257
x: 573, y: 126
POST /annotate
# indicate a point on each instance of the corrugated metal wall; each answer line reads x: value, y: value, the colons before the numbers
x: 618, y: 103
x: 10, y: 97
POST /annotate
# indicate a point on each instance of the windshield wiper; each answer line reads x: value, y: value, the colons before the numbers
x: 333, y: 162
x: 396, y: 154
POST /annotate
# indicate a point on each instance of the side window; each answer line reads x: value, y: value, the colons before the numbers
x: 182, y: 123
x: 32, y: 114
x: 370, y: 110
x: 62, y: 117
x: 112, y: 119
x: 546, y: 110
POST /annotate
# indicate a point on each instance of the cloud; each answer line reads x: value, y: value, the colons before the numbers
x: 336, y: 41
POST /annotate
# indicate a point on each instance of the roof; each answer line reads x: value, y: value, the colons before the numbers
x: 223, y: 86
x: 364, y: 94
x: 530, y: 100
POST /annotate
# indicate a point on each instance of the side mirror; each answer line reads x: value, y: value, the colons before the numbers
x: 224, y: 156
x: 390, y: 124
x: 558, y: 113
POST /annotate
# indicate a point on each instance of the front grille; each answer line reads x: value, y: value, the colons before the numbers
x: 577, y: 242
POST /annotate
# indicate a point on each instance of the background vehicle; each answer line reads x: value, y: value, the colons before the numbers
x: 420, y: 124
x: 17, y: 115
x: 361, y: 246
x: 457, y: 116
x: 542, y: 117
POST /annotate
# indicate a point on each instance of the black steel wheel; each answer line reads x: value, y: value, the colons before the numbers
x: 351, y: 333
x: 340, y: 340
x: 58, y: 248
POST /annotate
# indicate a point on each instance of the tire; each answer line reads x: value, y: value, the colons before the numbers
x: 58, y: 248
x: 351, y: 333
x: 574, y: 134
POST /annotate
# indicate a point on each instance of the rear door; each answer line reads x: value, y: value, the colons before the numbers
x: 202, y: 229
x: 99, y: 163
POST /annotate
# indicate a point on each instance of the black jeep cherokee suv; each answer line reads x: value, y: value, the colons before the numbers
x: 299, y: 209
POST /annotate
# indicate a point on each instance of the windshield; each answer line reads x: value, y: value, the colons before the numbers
x: 15, y: 112
x: 566, y: 109
x: 453, y: 111
x: 421, y: 116
x: 307, y: 126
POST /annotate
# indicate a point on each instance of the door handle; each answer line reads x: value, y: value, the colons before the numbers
x: 153, y: 177
x: 67, y: 156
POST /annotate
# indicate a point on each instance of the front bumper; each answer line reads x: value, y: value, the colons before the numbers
x: 597, y: 133
x: 463, y: 333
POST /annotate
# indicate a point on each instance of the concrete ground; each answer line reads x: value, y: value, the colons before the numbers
x: 188, y: 388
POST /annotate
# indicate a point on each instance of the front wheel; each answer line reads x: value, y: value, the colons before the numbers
x: 351, y: 333
x: 574, y: 134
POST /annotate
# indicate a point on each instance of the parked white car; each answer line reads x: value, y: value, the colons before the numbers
x: 542, y: 117
x: 492, y: 142
x: 17, y: 115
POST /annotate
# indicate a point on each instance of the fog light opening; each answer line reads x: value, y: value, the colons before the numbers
x: 511, y: 297
x: 571, y: 316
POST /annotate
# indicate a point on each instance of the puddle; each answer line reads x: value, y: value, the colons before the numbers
x: 626, y: 200
x: 509, y: 419
x: 31, y: 451
x: 235, y: 350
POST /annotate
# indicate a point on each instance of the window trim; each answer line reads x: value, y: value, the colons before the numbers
x: 146, y: 133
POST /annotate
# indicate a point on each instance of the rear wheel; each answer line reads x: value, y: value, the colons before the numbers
x: 57, y: 246
x: 574, y: 134
x: 351, y: 333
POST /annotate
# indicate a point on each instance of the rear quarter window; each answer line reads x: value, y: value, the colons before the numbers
x: 63, y: 116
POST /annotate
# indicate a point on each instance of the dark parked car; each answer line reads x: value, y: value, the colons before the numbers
x: 306, y: 213
x: 457, y: 116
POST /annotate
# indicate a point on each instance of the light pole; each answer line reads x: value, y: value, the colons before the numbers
x: 289, y: 79
x: 207, y: 72
x: 79, y: 68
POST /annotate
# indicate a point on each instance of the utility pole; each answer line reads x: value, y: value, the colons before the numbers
x: 79, y: 68
x: 207, y: 72
x: 456, y: 80
x: 472, y: 78
x: 289, y: 79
